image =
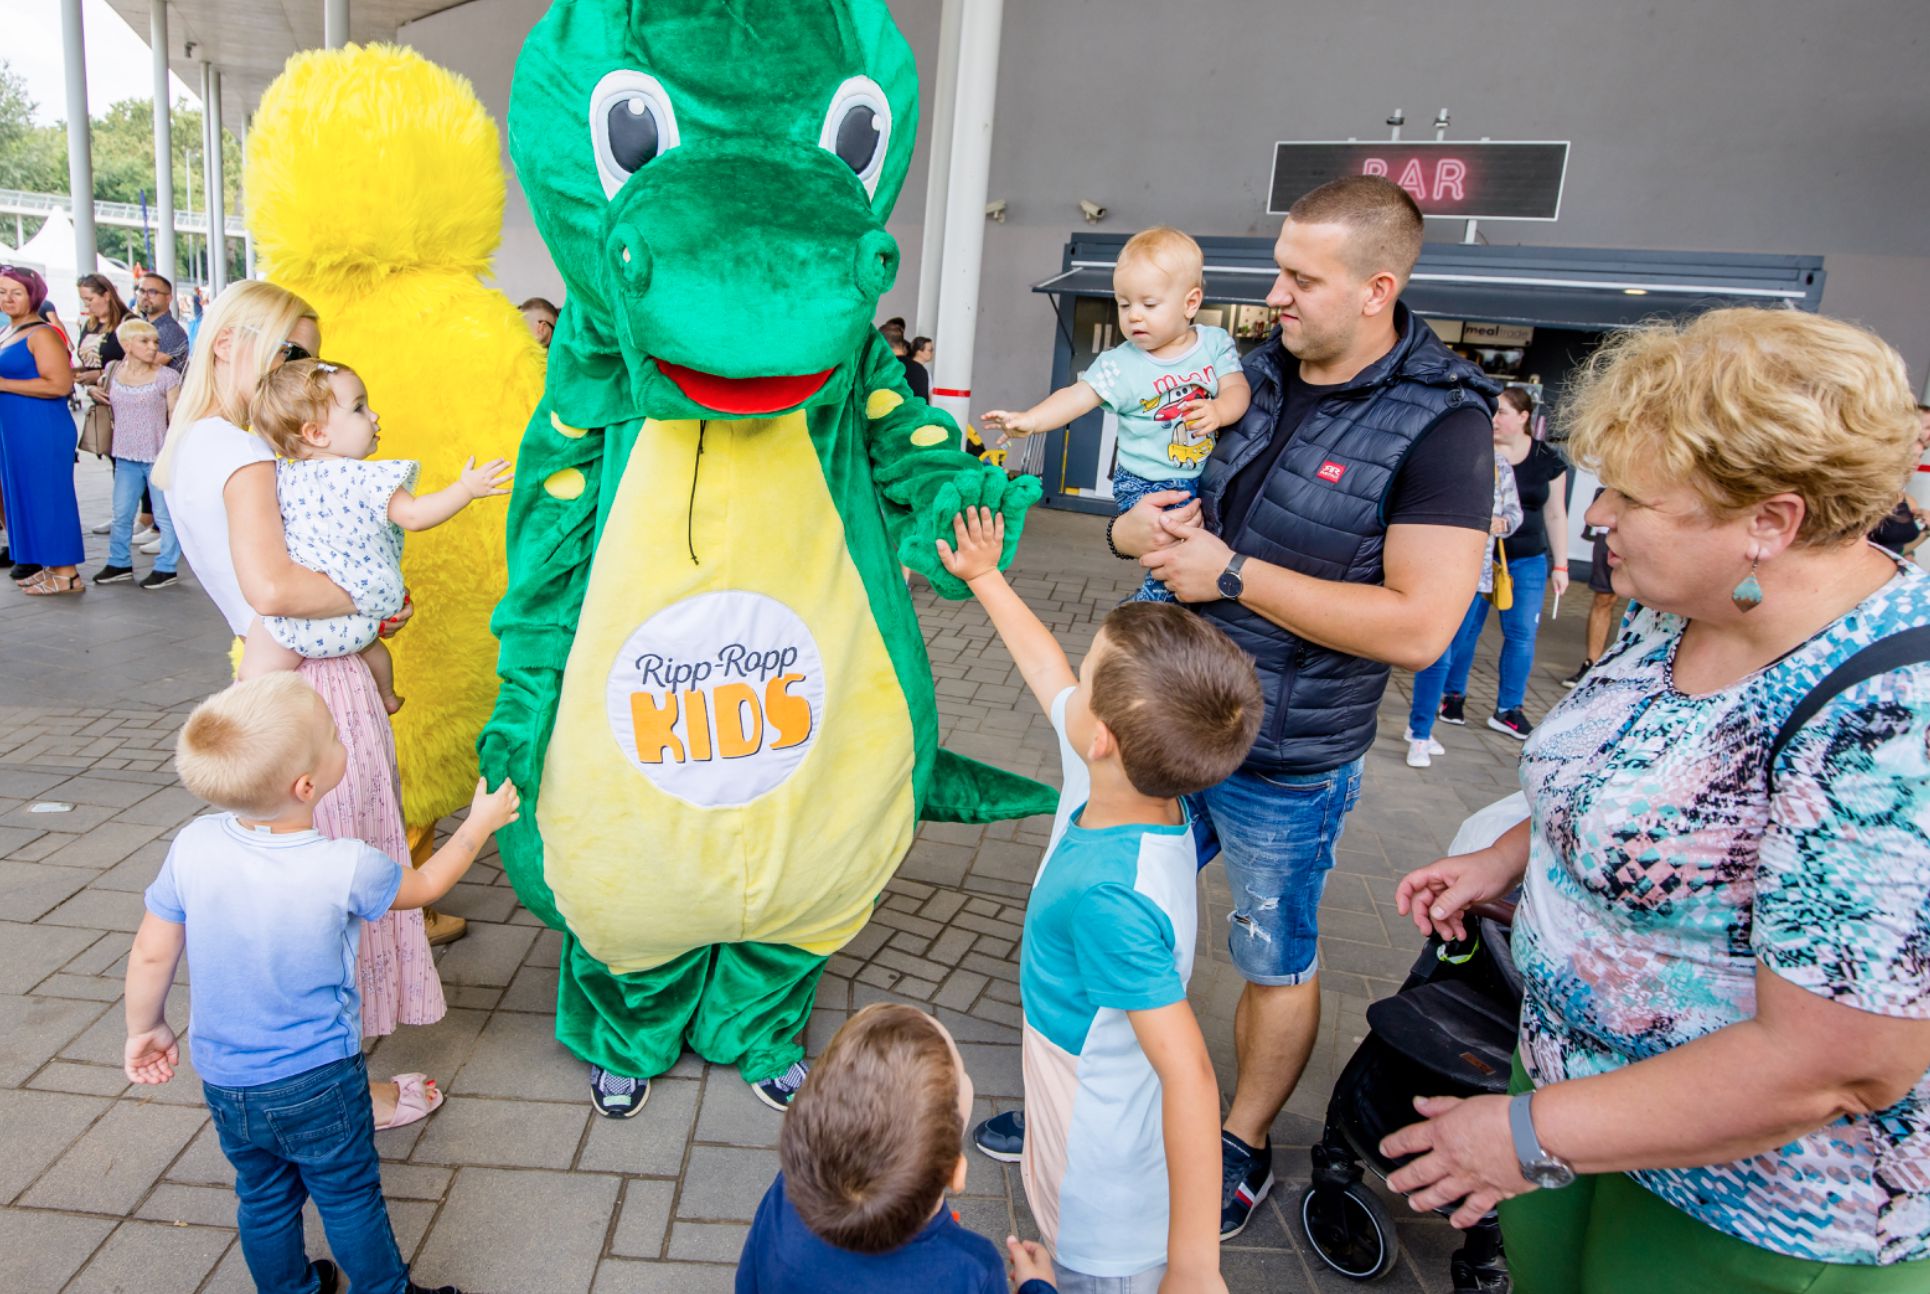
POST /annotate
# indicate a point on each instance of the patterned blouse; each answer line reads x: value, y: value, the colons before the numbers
x: 140, y: 414
x: 1663, y: 871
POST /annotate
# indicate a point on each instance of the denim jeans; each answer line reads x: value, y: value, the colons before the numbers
x: 1129, y: 488
x: 1431, y: 683
x: 310, y: 1135
x: 130, y: 482
x: 1276, y: 835
x: 1067, y: 1281
x: 1519, y: 625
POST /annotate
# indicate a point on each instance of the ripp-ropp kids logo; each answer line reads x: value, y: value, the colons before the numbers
x: 718, y: 698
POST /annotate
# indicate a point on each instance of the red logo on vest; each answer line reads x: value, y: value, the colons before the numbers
x: 1331, y: 472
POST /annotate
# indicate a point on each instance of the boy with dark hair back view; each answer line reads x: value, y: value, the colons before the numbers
x: 1121, y: 1158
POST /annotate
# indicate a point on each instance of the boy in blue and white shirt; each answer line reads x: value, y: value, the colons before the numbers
x: 1121, y: 1158
x: 1171, y: 384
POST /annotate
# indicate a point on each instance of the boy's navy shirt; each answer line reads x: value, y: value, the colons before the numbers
x: 783, y: 1256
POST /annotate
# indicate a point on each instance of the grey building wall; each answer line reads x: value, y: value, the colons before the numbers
x: 1727, y: 125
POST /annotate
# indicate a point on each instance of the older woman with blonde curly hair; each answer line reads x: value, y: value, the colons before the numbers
x: 1724, y: 1074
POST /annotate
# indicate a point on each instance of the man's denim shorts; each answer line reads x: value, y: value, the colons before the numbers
x: 1276, y: 835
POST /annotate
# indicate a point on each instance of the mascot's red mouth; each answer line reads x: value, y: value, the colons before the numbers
x: 746, y: 395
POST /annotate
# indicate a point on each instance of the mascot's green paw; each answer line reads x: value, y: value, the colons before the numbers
x: 983, y: 486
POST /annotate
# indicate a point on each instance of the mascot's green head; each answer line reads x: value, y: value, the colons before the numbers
x: 712, y: 178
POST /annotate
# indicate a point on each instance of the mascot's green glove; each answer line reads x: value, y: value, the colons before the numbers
x: 984, y: 486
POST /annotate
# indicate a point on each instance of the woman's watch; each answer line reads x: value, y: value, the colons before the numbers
x: 1549, y: 1172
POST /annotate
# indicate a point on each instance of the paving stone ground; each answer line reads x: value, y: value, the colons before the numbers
x: 514, y: 1186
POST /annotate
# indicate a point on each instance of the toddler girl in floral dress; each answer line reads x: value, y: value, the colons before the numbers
x: 344, y: 515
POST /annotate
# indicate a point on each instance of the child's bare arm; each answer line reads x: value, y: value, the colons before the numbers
x: 152, y: 1052
x: 488, y: 812
x: 431, y: 510
x: 1056, y: 410
x: 1190, y: 1109
x: 980, y: 536
x: 1224, y: 409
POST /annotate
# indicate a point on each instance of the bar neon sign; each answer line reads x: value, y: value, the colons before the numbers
x: 1449, y: 179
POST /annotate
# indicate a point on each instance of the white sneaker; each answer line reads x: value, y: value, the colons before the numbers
x: 151, y: 547
x: 147, y: 535
x: 103, y: 528
x: 1418, y: 755
x: 1407, y: 734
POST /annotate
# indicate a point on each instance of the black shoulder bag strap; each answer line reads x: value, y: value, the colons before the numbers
x: 1906, y: 647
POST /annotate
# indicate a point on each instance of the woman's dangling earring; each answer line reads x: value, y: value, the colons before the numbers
x: 1748, y: 595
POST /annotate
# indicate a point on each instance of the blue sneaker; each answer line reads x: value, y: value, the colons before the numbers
x: 1246, y: 1175
x: 1001, y: 1137
x: 777, y: 1092
x: 617, y: 1096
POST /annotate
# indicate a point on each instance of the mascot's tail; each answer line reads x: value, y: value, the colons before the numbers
x: 964, y: 790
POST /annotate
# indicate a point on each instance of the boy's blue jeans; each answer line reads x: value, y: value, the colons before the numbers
x: 1129, y: 488
x: 310, y: 1135
x: 130, y: 479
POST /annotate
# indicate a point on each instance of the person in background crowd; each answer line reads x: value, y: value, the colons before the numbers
x: 1365, y: 436
x: 154, y: 302
x: 51, y: 317
x: 98, y: 346
x: 1603, y: 606
x: 142, y: 390
x: 1726, y: 1019
x: 541, y: 316
x: 1537, y: 560
x: 922, y: 350
x: 916, y: 375
x: 37, y: 442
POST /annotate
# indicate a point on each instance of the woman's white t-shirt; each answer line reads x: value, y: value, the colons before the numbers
x: 211, y: 451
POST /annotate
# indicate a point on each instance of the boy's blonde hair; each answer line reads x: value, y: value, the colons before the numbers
x: 243, y: 747
x: 134, y: 326
x: 1172, y: 250
x: 295, y: 394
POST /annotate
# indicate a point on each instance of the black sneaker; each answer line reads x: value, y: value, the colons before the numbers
x: 1246, y: 1175
x: 1580, y: 671
x: 1001, y: 1137
x: 115, y: 575
x: 777, y: 1092
x: 617, y: 1096
x: 1513, y: 722
x: 1452, y: 710
x: 440, y: 1289
x: 24, y: 571
x: 159, y: 579
x: 326, y: 1274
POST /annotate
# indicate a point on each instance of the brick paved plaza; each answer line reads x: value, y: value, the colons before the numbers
x: 514, y: 1187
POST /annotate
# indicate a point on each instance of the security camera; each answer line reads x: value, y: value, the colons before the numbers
x: 1092, y: 211
x: 995, y: 211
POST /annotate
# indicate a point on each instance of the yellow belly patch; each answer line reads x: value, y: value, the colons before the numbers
x: 732, y: 755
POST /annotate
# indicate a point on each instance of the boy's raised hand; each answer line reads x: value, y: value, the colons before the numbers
x: 493, y: 810
x: 491, y: 478
x: 1030, y: 1261
x: 150, y: 1056
x: 979, y: 539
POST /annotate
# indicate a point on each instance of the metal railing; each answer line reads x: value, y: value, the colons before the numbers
x: 18, y: 202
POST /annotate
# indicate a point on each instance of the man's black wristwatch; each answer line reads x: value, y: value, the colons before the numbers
x: 1231, y: 585
x: 1547, y: 1171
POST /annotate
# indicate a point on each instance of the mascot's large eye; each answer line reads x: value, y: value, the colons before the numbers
x: 631, y: 123
x: 858, y: 129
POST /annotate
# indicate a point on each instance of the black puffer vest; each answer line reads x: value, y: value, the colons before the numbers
x: 1322, y: 512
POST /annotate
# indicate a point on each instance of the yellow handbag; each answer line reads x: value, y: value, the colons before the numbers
x: 1503, y: 592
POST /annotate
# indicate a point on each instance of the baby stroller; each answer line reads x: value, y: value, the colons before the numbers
x: 1450, y: 1031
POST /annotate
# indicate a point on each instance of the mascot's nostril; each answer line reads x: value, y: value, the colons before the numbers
x: 877, y: 263
x: 630, y: 256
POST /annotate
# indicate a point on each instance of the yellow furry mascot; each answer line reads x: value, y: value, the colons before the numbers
x: 375, y: 192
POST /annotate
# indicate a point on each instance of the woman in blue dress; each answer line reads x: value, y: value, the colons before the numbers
x: 37, y: 442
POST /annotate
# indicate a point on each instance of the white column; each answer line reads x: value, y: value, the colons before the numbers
x: 971, y: 167
x: 334, y: 24
x: 938, y: 168
x: 207, y: 172
x: 247, y: 229
x: 80, y: 149
x: 217, y: 201
x: 163, y: 141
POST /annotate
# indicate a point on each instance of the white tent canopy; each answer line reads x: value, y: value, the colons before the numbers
x: 51, y: 251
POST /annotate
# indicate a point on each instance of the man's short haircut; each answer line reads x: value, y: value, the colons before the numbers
x: 243, y: 747
x: 1384, y: 225
x: 894, y: 322
x: 163, y: 279
x: 541, y: 303
x: 1172, y: 250
x: 1182, y: 701
x: 871, y: 1141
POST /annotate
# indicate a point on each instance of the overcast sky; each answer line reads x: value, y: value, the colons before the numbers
x: 118, y: 64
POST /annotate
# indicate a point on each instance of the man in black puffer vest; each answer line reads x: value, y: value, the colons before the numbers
x: 1339, y: 530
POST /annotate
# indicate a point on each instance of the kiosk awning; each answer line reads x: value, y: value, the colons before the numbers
x: 1548, y: 287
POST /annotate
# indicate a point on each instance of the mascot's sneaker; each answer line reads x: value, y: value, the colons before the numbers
x: 777, y: 1092
x: 616, y: 1096
x: 1001, y: 1137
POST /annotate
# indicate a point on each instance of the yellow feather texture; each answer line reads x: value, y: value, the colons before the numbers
x: 375, y: 192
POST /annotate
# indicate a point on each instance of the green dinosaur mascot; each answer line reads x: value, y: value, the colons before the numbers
x: 715, y: 696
